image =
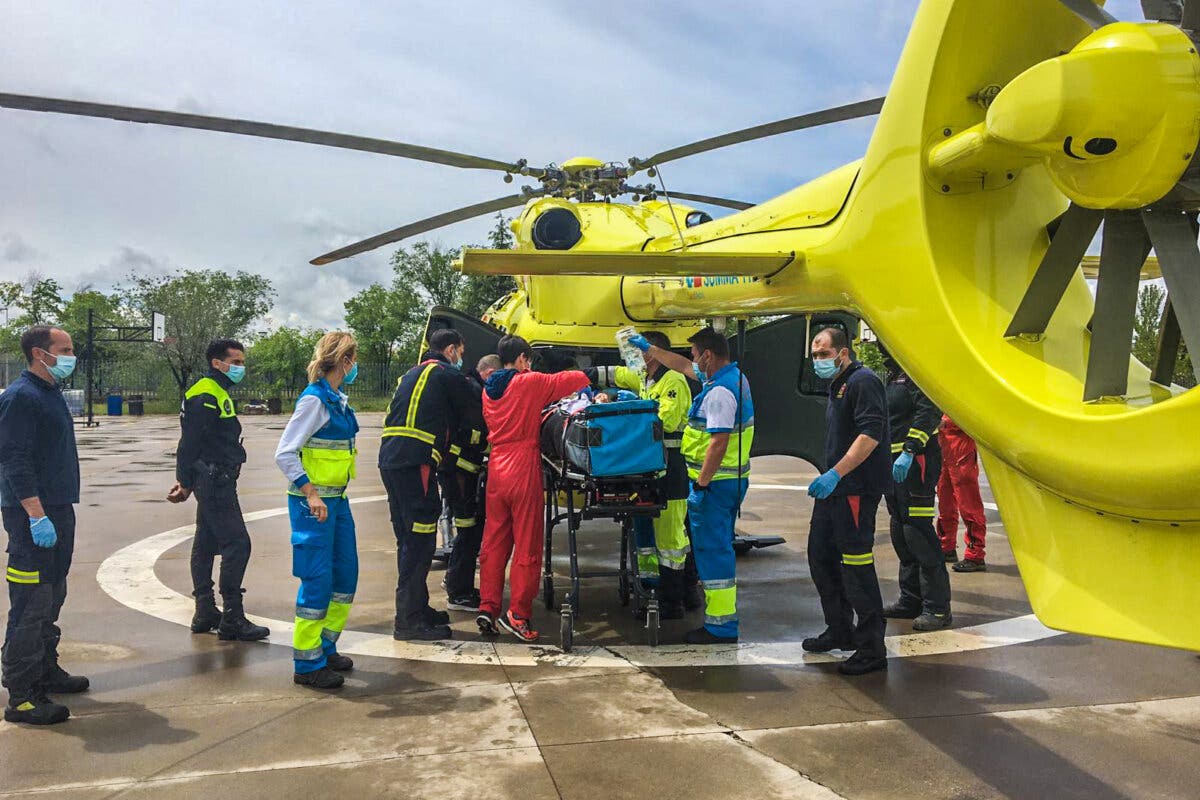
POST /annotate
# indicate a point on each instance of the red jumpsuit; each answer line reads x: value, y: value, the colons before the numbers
x: 958, y: 492
x: 515, y: 521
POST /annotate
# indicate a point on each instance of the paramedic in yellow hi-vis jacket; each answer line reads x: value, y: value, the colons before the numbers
x: 316, y: 454
x: 662, y: 543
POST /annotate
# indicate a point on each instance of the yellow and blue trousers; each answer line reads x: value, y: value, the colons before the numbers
x: 325, y: 559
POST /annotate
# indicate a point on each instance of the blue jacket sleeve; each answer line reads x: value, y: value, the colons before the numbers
x: 18, y: 434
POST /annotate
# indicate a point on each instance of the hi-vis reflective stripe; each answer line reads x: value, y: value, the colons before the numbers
x: 476, y: 437
x: 424, y: 527
x: 329, y: 444
x: 464, y: 522
x: 858, y: 559
x: 898, y: 447
x: 415, y: 401
x: 21, y: 576
x: 921, y: 511
x: 322, y: 491
x: 462, y: 463
x: 310, y: 613
x: 920, y: 436
x: 412, y: 433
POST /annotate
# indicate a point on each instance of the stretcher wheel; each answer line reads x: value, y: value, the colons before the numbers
x: 652, y: 619
x: 548, y: 592
x: 566, y: 629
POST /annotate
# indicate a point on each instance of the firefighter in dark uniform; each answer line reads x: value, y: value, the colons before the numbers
x: 430, y: 410
x: 916, y: 466
x: 208, y: 462
x: 459, y: 477
x: 842, y: 532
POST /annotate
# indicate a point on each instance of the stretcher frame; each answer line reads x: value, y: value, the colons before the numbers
x: 563, y: 479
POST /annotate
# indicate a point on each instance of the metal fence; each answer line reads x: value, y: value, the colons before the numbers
x: 153, y: 380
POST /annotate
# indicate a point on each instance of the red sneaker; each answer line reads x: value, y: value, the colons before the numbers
x: 517, y: 627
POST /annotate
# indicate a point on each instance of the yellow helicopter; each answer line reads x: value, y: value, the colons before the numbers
x: 1012, y: 130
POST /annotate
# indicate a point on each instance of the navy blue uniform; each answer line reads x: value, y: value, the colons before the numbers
x: 913, y: 421
x: 842, y: 532
x: 38, y: 458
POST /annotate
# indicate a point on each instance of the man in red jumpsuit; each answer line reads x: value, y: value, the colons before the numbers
x: 513, y: 399
x: 958, y: 493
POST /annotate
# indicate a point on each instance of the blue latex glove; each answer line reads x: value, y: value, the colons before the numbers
x: 42, y: 529
x: 625, y: 394
x: 587, y: 392
x: 901, y: 466
x: 639, y: 341
x: 823, y: 486
x: 696, y: 496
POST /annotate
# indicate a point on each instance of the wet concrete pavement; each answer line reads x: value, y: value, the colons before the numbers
x: 177, y: 715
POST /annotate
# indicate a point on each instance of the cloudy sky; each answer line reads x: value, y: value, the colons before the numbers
x: 90, y: 201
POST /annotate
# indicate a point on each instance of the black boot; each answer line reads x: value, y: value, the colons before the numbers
x: 58, y: 681
x: 207, y: 616
x: 827, y: 641
x: 324, y: 678
x: 35, y: 710
x: 670, y: 594
x: 339, y: 663
x: 235, y: 627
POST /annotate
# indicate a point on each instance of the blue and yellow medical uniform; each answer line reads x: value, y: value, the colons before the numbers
x: 724, y: 405
x: 324, y: 554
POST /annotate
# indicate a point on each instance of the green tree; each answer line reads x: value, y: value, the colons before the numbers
x: 200, y: 305
x: 429, y: 271
x: 41, y: 302
x: 279, y: 359
x: 385, y: 321
x: 1147, y: 321
x: 479, y: 292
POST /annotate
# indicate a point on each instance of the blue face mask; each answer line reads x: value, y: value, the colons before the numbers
x: 825, y: 368
x: 236, y: 373
x: 62, y: 368
x: 699, y: 373
x: 458, y: 364
x: 352, y: 375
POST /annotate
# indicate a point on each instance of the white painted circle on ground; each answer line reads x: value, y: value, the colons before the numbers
x: 128, y: 577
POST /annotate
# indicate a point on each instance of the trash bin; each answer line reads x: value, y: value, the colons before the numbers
x: 137, y: 405
x: 75, y: 400
x: 114, y: 405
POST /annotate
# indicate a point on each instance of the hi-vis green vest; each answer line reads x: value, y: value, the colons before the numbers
x: 329, y: 454
x: 736, y: 461
x: 207, y: 385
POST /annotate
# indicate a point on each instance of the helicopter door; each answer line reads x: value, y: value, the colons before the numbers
x: 479, y: 337
x: 789, y: 399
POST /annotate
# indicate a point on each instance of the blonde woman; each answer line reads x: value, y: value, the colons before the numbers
x: 316, y: 454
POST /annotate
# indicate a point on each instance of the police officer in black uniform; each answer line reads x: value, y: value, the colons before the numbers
x: 916, y: 466
x: 460, y: 477
x: 208, y: 462
x: 842, y: 532
x: 431, y: 409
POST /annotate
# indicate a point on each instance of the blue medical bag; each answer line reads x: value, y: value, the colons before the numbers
x: 608, y: 439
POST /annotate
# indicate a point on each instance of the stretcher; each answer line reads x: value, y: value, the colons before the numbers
x: 606, y: 461
x: 572, y: 497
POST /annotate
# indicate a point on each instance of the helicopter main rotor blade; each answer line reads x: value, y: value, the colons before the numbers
x: 712, y: 201
x: 262, y: 129
x: 428, y: 224
x: 1089, y: 12
x: 864, y: 108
